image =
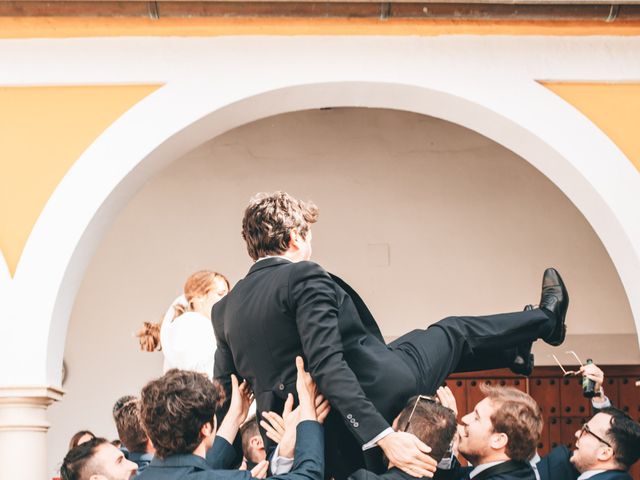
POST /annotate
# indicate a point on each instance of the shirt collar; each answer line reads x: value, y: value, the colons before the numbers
x: 274, y: 256
x: 589, y: 474
x: 483, y: 467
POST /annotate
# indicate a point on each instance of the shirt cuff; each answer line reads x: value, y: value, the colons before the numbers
x: 280, y: 465
x: 601, y: 402
x: 372, y: 443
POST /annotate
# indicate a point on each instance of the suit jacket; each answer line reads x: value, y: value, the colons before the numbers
x: 391, y: 474
x: 509, y: 470
x: 556, y: 466
x: 308, y: 462
x: 283, y: 309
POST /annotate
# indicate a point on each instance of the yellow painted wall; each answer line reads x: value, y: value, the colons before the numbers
x: 66, y: 27
x: 614, y: 108
x: 43, y: 131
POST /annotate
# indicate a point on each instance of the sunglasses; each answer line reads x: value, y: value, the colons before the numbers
x: 585, y: 429
x: 568, y: 373
x: 425, y: 398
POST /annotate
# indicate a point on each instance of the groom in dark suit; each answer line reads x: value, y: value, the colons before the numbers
x: 288, y: 306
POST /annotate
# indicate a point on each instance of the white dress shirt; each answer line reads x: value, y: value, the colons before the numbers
x: 589, y: 474
x: 483, y: 467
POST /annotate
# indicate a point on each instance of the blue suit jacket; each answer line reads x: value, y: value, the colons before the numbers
x: 391, y: 474
x: 556, y: 466
x: 308, y: 462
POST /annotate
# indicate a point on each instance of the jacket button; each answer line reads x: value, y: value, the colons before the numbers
x: 356, y: 424
x: 349, y: 416
x: 281, y: 386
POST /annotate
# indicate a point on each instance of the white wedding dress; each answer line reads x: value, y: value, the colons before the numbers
x: 188, y: 341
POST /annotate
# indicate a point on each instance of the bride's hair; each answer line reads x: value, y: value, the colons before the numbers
x: 197, y: 285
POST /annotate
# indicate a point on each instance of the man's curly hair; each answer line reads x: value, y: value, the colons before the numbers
x: 175, y: 407
x: 269, y: 219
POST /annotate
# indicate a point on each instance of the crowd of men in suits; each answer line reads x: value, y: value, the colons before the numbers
x: 171, y: 432
x: 292, y: 332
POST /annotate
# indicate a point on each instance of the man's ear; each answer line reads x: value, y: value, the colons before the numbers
x: 499, y: 441
x: 256, y: 442
x: 294, y: 239
x: 206, y: 430
x: 605, y: 454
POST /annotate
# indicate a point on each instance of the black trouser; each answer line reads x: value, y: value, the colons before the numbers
x: 450, y: 345
x: 468, y: 344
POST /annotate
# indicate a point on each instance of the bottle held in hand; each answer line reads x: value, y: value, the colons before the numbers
x: 588, y: 385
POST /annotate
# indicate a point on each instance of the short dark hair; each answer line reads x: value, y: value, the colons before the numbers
x: 129, y: 426
x: 431, y: 422
x: 269, y: 219
x: 77, y: 463
x: 174, y: 408
x: 625, y: 433
x: 121, y: 403
x: 248, y: 430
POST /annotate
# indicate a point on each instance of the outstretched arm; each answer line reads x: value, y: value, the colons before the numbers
x: 314, y: 300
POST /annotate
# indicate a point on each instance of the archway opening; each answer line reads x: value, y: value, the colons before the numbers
x: 424, y: 217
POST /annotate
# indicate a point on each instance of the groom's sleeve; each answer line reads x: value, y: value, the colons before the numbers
x: 312, y: 296
x: 223, y: 367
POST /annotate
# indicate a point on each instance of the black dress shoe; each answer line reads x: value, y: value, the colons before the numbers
x: 522, y: 363
x: 555, y: 299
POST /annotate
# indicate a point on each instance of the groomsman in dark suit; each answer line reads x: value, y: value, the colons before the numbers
x: 288, y: 306
x: 430, y: 421
x: 179, y: 413
x: 607, y: 446
x: 498, y: 437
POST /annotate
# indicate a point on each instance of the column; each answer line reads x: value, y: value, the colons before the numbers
x: 23, y: 431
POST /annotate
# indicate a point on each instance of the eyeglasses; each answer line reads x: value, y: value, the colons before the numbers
x: 426, y: 398
x: 585, y: 429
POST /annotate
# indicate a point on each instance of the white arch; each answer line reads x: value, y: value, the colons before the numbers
x: 182, y: 115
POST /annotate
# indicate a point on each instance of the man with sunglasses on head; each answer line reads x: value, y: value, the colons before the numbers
x: 606, y: 448
x: 431, y: 419
x: 431, y: 422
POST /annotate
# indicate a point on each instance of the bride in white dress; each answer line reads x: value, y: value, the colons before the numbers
x: 185, y: 334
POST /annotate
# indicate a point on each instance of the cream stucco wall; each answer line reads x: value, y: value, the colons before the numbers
x: 424, y: 218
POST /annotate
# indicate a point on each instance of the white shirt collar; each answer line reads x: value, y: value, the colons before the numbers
x: 483, y: 467
x: 274, y: 256
x: 589, y: 474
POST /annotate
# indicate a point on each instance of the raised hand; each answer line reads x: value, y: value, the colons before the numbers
x: 307, y: 392
x: 260, y: 470
x: 446, y: 398
x: 405, y: 451
x: 241, y: 398
x: 593, y: 372
x: 274, y: 424
x: 322, y: 408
